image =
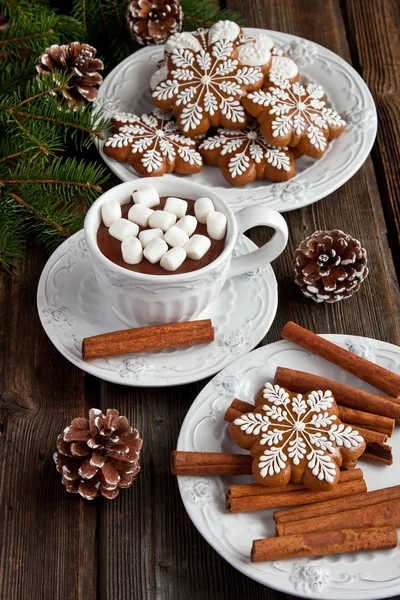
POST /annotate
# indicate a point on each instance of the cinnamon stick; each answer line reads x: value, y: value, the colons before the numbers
x: 334, y: 506
x: 383, y: 515
x: 371, y: 436
x: 345, y: 394
x: 255, y: 489
x: 382, y: 379
x: 367, y: 420
x: 231, y: 414
x: 381, y: 453
x: 210, y: 463
x: 242, y: 406
x: 148, y: 339
x: 293, y: 498
x: 320, y: 543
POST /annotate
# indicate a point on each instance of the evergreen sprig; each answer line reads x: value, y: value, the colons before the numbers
x: 47, y: 178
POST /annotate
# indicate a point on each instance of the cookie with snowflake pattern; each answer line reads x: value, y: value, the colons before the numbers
x: 243, y: 155
x: 152, y: 144
x: 254, y: 50
x: 297, y: 438
x: 204, y: 86
x: 295, y: 115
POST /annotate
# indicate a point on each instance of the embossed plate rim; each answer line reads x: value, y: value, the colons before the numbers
x: 294, y: 576
x: 281, y: 196
x: 266, y: 278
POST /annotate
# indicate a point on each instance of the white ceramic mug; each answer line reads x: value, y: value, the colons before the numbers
x: 143, y: 299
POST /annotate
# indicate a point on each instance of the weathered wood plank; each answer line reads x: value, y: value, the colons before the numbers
x: 374, y: 37
x: 47, y: 537
x: 158, y: 553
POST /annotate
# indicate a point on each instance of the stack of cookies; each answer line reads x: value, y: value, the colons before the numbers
x: 230, y: 100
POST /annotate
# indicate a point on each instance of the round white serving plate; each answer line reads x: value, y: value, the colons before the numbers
x: 71, y: 307
x: 358, y: 576
x: 126, y: 89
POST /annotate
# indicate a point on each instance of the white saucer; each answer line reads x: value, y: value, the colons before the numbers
x: 125, y: 89
x: 358, y: 576
x: 71, y: 307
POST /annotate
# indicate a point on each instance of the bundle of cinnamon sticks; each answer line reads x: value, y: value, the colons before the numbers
x: 345, y: 519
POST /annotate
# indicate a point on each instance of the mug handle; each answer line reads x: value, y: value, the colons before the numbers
x: 250, y: 217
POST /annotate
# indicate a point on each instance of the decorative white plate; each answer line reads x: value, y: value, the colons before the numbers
x: 71, y: 307
x: 126, y: 89
x: 359, y: 576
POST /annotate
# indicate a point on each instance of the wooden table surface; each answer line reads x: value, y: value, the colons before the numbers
x: 142, y: 546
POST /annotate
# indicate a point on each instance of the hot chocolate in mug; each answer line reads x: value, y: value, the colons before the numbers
x: 140, y: 299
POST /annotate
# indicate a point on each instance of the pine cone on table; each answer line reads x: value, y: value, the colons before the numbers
x: 98, y: 455
x: 153, y: 22
x: 80, y: 60
x: 330, y: 266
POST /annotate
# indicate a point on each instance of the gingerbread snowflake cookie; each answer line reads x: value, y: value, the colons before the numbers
x: 152, y: 144
x: 254, y: 50
x: 295, y: 115
x: 297, y: 438
x: 205, y: 85
x: 244, y: 155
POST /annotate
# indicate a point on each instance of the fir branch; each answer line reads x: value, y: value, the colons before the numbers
x: 26, y: 37
x: 65, y: 177
x: 63, y: 122
x: 11, y: 156
x: 15, y: 73
x: 38, y: 216
x: 12, y: 232
x: 42, y: 181
x: 35, y: 141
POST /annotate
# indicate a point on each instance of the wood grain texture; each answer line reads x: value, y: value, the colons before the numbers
x: 47, y: 537
x: 373, y: 30
x: 143, y: 546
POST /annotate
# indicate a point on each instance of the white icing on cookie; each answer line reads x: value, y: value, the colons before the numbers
x: 298, y: 429
x: 207, y: 82
x: 254, y: 55
x: 262, y: 39
x: 247, y: 145
x: 299, y: 109
x: 223, y: 30
x: 158, y: 76
x: 283, y: 67
x: 156, y: 137
x: 182, y: 40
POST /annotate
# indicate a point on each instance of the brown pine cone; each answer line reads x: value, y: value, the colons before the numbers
x: 330, y: 266
x: 99, y: 455
x: 74, y: 58
x: 153, y: 22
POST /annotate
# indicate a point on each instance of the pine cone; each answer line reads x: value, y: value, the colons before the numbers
x: 99, y: 455
x: 330, y: 266
x: 74, y: 58
x: 153, y: 22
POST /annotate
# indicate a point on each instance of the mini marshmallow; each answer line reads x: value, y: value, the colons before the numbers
x: 197, y: 246
x: 172, y: 260
x: 122, y: 229
x: 110, y: 212
x: 155, y: 250
x: 140, y: 214
x: 147, y: 196
x: 148, y: 235
x: 216, y: 225
x: 132, y: 251
x: 162, y: 219
x: 176, y: 206
x: 188, y: 224
x: 202, y: 207
x: 176, y: 237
